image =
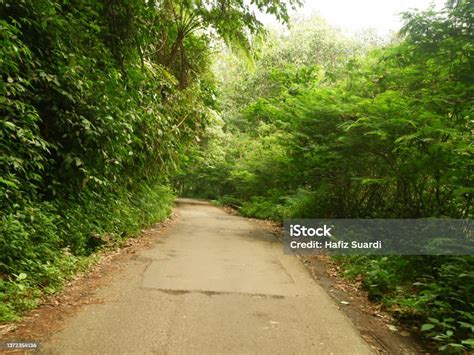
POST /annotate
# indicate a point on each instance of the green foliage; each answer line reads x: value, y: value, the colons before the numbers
x: 437, y: 291
x: 100, y: 102
x: 77, y: 134
x: 324, y: 129
x: 260, y: 207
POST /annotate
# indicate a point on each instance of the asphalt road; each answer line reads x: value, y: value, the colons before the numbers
x: 215, y: 284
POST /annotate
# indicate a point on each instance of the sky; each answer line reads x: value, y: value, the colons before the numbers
x: 355, y: 15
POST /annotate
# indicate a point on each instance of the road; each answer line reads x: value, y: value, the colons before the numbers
x: 216, y: 283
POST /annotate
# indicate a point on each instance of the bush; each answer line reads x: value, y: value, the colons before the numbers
x: 261, y: 207
x: 433, y: 293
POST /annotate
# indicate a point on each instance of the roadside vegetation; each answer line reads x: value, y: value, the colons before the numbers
x: 100, y: 101
x: 326, y: 126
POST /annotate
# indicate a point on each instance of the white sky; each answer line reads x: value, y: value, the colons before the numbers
x: 355, y: 15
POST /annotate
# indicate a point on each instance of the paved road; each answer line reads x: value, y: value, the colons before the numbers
x: 216, y: 284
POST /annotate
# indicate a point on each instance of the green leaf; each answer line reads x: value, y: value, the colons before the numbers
x: 468, y: 342
x: 21, y: 276
x: 426, y: 327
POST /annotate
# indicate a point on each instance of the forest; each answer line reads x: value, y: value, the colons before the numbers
x: 111, y: 108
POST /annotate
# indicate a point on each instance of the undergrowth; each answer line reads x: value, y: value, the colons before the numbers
x: 45, y: 244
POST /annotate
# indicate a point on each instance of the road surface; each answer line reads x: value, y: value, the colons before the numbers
x: 216, y: 283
